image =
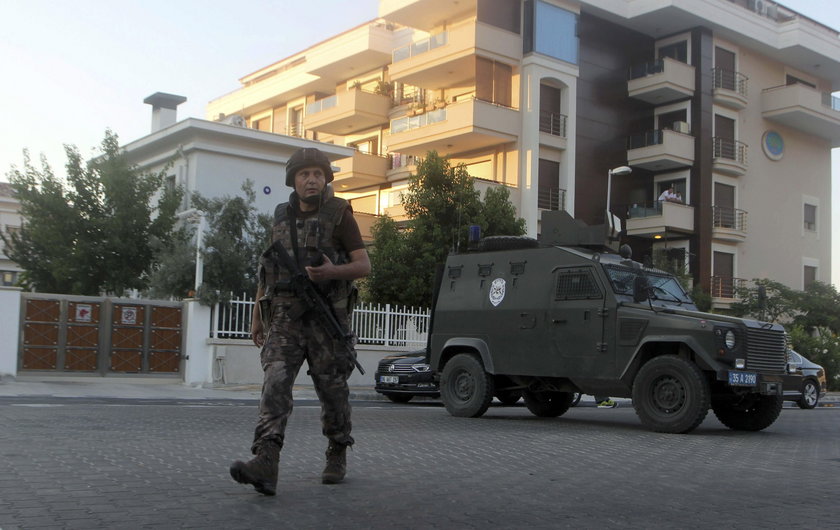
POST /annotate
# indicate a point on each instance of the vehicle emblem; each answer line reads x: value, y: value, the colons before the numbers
x: 497, y: 291
x: 390, y: 367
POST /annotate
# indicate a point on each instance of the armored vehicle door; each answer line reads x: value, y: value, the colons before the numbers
x: 579, y: 324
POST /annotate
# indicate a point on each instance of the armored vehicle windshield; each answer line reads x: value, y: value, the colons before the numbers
x: 662, y: 287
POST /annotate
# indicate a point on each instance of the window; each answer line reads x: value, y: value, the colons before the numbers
x: 793, y: 80
x: 677, y: 51
x: 500, y: 13
x: 9, y: 278
x: 493, y: 81
x: 549, y: 194
x: 551, y: 31
x: 263, y: 124
x: 576, y: 284
x: 810, y: 217
x: 809, y: 276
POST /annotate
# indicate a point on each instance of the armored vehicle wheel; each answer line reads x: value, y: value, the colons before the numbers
x: 548, y: 404
x: 750, y: 414
x: 466, y: 389
x: 507, y: 243
x: 671, y: 395
x: 399, y: 398
x: 508, y: 397
x: 810, y: 395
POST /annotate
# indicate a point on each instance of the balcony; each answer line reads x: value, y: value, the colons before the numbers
x: 463, y: 126
x: 347, y: 112
x: 660, y: 82
x: 729, y: 224
x: 401, y: 167
x: 425, y: 14
x: 447, y: 59
x: 729, y: 157
x: 730, y: 89
x: 660, y: 150
x: 366, y: 222
x: 553, y: 199
x: 553, y: 129
x: 724, y: 290
x: 803, y: 108
x: 364, y: 48
x: 662, y: 220
x: 359, y: 171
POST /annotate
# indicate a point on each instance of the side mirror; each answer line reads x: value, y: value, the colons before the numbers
x: 640, y: 287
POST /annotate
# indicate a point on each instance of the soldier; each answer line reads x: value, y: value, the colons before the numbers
x: 319, y: 231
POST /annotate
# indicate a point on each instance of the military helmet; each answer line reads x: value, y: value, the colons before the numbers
x: 307, y: 157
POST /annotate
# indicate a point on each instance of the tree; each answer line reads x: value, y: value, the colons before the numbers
x: 92, y: 234
x: 235, y: 238
x: 441, y: 203
x: 780, y: 302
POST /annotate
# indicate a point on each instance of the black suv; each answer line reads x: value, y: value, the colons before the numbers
x: 805, y: 383
x: 401, y: 376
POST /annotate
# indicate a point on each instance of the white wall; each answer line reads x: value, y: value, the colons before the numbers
x: 9, y: 330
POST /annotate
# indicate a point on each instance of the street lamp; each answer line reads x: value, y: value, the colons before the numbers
x: 618, y: 171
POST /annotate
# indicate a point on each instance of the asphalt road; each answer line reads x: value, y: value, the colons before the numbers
x: 145, y: 463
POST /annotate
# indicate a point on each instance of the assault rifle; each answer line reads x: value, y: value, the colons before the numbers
x: 312, y: 300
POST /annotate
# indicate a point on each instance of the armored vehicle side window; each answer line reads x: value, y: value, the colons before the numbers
x: 576, y: 284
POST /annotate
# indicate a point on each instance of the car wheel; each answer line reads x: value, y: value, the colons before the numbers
x: 508, y: 397
x: 548, y: 404
x: 575, y: 398
x: 810, y: 395
x: 466, y: 389
x: 753, y: 413
x: 671, y: 395
x: 399, y: 398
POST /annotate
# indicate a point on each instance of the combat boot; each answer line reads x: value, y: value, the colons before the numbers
x: 336, y: 464
x: 260, y: 471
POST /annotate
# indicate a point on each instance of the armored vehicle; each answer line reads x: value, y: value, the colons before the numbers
x: 549, y: 320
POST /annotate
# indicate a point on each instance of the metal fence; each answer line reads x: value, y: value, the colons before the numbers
x: 398, y: 327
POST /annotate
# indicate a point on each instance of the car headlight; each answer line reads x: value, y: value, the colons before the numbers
x: 420, y: 367
x: 729, y: 339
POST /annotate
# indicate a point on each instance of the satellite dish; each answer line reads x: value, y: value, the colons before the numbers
x: 234, y: 119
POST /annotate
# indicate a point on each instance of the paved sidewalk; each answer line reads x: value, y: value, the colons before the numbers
x: 169, y: 388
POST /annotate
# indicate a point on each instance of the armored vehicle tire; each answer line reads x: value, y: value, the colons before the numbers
x: 507, y: 243
x: 548, y: 404
x: 754, y: 415
x: 508, y: 397
x: 671, y: 395
x: 466, y: 389
x: 399, y: 398
x: 810, y: 395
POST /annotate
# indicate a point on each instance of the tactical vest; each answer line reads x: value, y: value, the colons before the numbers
x: 275, y: 277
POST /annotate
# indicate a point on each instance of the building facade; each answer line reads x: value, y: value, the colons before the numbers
x: 10, y: 222
x: 727, y: 101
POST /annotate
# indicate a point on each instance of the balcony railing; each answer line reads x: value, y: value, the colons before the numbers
x: 830, y: 101
x: 322, y: 104
x: 730, y: 149
x: 645, y: 139
x: 551, y: 199
x: 726, y: 286
x: 421, y: 46
x: 732, y: 218
x: 408, y: 123
x: 729, y: 80
x: 645, y: 69
x: 553, y: 123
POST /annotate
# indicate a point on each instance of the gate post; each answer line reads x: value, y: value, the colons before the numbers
x: 9, y: 330
x: 198, y: 361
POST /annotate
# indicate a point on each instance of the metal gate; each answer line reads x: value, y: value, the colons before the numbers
x: 103, y: 336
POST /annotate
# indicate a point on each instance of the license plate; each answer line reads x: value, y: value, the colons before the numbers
x: 389, y: 379
x: 743, y: 378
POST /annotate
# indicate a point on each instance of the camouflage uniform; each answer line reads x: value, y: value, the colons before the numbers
x: 290, y: 341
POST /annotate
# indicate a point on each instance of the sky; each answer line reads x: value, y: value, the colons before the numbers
x: 74, y: 69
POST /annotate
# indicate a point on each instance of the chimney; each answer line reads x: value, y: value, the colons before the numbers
x: 164, y: 111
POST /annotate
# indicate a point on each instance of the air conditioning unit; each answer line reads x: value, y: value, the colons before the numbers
x: 759, y: 6
x: 681, y: 127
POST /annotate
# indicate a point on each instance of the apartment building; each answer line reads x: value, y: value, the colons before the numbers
x: 727, y: 101
x: 10, y: 221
